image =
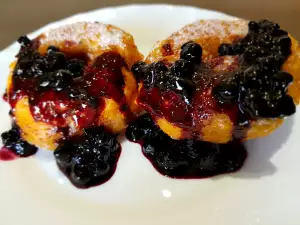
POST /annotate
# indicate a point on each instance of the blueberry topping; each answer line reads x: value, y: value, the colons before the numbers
x: 82, y: 95
x: 267, y: 26
x: 282, y: 80
x: 253, y: 26
x: 227, y: 91
x: 184, y: 158
x: 260, y: 89
x: 226, y: 49
x: 287, y: 106
x: 191, y: 51
x: 75, y: 66
x: 24, y: 41
x: 183, y: 68
x: 57, y: 80
x: 155, y: 75
x: 177, y: 78
x: 138, y: 70
x: 13, y: 141
x: 31, y: 64
x: 56, y: 60
x: 90, y: 159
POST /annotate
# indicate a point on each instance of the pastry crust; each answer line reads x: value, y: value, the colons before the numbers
x: 210, y: 34
x: 92, y: 39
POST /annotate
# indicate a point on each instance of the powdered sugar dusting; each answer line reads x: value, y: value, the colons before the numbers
x: 208, y: 28
x: 98, y: 34
x: 224, y: 30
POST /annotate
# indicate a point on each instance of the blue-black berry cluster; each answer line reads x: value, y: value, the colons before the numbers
x: 89, y: 159
x: 184, y: 158
x: 13, y: 141
x: 50, y: 71
x: 178, y: 77
x: 259, y: 87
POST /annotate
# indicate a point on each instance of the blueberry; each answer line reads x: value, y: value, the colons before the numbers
x: 38, y: 67
x: 134, y: 133
x: 13, y: 141
x: 237, y: 48
x: 279, y: 32
x: 253, y: 26
x: 24, y: 41
x: 227, y: 91
x: 29, y: 65
x: 252, y: 52
x: 140, y: 129
x: 287, y: 106
x: 191, y: 51
x: 281, y: 80
x: 268, y: 26
x: 268, y: 64
x: 186, y: 158
x: 58, y: 80
x: 56, y: 60
x: 138, y: 70
x: 226, y: 94
x: 183, y: 68
x: 155, y: 75
x: 75, y: 66
x: 159, y: 67
x: 283, y: 41
x: 225, y: 49
x: 90, y: 159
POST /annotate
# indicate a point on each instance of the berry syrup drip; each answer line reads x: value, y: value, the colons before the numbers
x: 7, y: 155
x: 253, y: 87
x: 89, y: 159
x: 185, y: 158
x: 15, y: 146
x: 64, y: 89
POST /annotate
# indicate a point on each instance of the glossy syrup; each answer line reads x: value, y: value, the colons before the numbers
x: 7, y: 155
x: 189, y: 92
x: 185, y: 158
x: 64, y: 88
x: 61, y: 86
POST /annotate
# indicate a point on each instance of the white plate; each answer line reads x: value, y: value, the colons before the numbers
x: 265, y: 191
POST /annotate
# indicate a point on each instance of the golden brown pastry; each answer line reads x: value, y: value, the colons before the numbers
x: 217, y: 80
x: 70, y: 78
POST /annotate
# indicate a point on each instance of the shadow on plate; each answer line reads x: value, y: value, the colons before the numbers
x: 260, y: 151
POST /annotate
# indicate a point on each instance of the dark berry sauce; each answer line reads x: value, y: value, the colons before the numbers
x: 7, y: 155
x: 64, y: 88
x: 189, y: 91
x: 185, y: 158
x: 13, y: 142
x: 90, y: 159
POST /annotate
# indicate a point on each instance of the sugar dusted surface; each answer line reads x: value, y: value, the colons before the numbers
x: 202, y: 30
x: 97, y: 33
x: 208, y: 28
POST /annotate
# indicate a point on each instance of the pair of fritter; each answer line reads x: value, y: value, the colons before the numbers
x: 212, y: 80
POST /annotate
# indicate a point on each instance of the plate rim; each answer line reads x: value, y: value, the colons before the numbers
x: 66, y: 20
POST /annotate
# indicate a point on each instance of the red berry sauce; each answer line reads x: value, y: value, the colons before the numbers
x: 65, y: 89
x: 185, y: 159
x: 190, y: 92
x: 7, y: 155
